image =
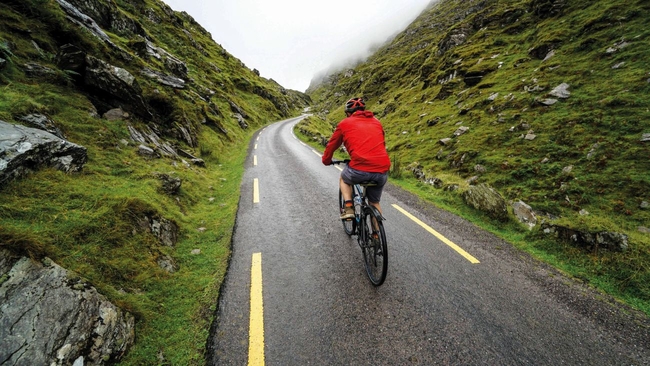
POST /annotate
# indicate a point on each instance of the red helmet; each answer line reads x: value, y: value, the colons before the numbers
x: 355, y: 104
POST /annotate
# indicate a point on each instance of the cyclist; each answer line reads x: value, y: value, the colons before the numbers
x: 363, y: 137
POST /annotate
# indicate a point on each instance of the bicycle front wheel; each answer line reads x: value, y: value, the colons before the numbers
x: 348, y: 225
x: 374, y: 247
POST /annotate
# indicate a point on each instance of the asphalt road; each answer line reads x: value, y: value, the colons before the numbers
x: 435, y: 308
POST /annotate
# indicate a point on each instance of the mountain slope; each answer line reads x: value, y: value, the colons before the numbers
x: 165, y: 114
x: 544, y: 100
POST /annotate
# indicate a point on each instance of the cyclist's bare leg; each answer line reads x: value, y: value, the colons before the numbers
x: 378, y: 207
x: 346, y: 190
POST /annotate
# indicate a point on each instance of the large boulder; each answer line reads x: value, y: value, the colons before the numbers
x: 485, y: 198
x: 24, y: 149
x: 48, y: 316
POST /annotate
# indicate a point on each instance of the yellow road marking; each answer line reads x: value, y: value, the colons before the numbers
x: 256, y: 327
x: 455, y: 247
x: 254, y: 160
x: 255, y: 146
x: 256, y: 191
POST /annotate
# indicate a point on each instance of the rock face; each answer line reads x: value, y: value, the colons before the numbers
x: 484, y: 198
x: 47, y: 317
x: 24, y: 149
x: 593, y: 241
x: 116, y: 86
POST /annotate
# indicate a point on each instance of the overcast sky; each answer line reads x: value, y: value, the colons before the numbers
x: 291, y: 41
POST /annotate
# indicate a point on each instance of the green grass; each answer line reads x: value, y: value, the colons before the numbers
x: 596, y: 130
x: 91, y: 222
x: 88, y: 223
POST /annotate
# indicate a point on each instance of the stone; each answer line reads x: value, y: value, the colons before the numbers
x: 164, y: 79
x: 461, y: 131
x: 549, y: 55
x: 241, y: 121
x: 561, y: 91
x: 72, y: 58
x: 645, y: 137
x: 42, y: 122
x: 56, y: 318
x: 84, y: 21
x: 167, y: 263
x: 165, y: 230
x: 445, y: 142
x: 525, y: 214
x: 547, y: 102
x: 116, y: 114
x: 472, y: 180
x: 34, y: 70
x: 593, y: 241
x: 485, y: 198
x: 147, y: 152
x: 170, y: 185
x: 24, y: 149
x: 118, y: 84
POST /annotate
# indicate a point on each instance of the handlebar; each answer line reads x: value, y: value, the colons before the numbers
x: 336, y: 162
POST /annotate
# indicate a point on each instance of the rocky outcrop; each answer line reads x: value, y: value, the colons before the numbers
x: 48, y: 316
x: 42, y: 122
x: 593, y: 241
x: 115, y: 87
x: 84, y: 21
x: 24, y: 149
x: 485, y: 198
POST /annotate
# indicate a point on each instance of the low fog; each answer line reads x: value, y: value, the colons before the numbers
x: 294, y: 42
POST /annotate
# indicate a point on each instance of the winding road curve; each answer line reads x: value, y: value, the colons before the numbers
x: 296, y: 292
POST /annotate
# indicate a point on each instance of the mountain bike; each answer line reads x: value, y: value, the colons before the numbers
x: 368, y: 227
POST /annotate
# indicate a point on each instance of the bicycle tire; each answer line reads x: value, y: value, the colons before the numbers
x: 348, y: 225
x: 375, y: 250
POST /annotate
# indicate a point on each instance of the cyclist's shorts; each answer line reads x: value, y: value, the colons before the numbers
x: 353, y: 176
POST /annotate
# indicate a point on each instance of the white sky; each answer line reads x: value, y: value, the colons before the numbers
x: 291, y: 41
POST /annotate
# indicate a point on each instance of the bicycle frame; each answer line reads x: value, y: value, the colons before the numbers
x: 368, y: 227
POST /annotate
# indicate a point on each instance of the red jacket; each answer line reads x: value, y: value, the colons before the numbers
x: 363, y: 138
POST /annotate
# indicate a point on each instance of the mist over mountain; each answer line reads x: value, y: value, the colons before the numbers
x: 544, y: 102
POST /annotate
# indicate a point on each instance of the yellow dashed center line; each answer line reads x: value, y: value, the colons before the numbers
x: 455, y: 247
x: 254, y: 160
x: 256, y: 191
x: 256, y: 327
x: 255, y: 146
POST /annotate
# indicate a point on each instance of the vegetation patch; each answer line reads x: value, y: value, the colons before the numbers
x: 577, y: 157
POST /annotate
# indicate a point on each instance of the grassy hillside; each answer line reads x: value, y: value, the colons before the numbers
x: 491, y: 66
x: 94, y: 222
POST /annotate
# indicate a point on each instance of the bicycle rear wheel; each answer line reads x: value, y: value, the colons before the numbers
x: 348, y: 225
x: 374, y: 247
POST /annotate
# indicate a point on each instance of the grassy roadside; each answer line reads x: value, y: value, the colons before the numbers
x: 89, y: 223
x: 623, y: 278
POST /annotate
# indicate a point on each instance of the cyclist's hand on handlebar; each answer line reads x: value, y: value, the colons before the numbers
x: 345, y: 161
